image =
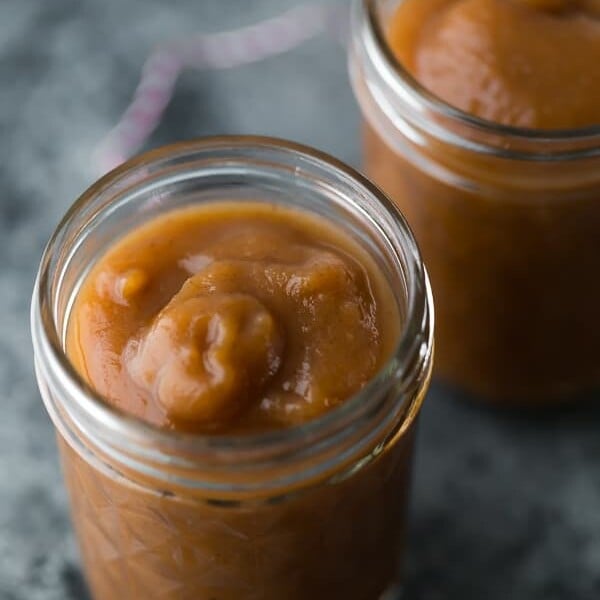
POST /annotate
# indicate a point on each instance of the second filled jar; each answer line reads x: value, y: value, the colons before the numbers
x: 482, y: 122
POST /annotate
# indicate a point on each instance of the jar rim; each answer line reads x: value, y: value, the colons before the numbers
x: 400, y: 80
x: 416, y: 336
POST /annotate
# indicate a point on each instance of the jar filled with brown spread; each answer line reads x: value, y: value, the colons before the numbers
x: 482, y: 122
x: 233, y: 338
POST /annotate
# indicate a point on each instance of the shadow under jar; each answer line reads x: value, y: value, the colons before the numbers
x: 315, y: 511
x: 507, y: 218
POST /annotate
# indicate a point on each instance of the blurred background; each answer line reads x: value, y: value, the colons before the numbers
x: 505, y: 505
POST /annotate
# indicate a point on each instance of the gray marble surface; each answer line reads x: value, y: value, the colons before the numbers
x: 505, y: 505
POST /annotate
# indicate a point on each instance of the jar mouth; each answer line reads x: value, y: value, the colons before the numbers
x: 405, y: 85
x: 413, y: 349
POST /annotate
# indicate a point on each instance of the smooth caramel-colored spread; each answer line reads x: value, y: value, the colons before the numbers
x: 232, y: 317
x: 511, y: 244
x: 526, y: 63
x: 237, y: 318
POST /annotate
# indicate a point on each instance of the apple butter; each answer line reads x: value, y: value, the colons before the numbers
x: 232, y: 317
x: 483, y: 125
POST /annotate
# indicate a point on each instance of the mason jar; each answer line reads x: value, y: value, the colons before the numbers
x: 316, y: 511
x: 508, y: 221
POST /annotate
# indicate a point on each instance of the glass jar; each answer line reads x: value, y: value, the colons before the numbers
x: 508, y: 221
x: 315, y: 511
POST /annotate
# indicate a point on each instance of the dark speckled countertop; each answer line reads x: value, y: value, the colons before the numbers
x: 505, y: 505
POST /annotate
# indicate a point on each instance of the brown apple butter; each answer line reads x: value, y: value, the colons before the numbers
x: 484, y: 127
x: 232, y: 318
x: 236, y: 318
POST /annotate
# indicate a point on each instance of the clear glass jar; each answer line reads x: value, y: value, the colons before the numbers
x: 508, y: 221
x: 316, y: 511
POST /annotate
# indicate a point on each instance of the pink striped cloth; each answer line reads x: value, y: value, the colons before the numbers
x: 213, y: 51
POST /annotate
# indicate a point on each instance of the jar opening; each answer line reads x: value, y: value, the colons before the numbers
x: 392, y: 88
x: 211, y: 167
